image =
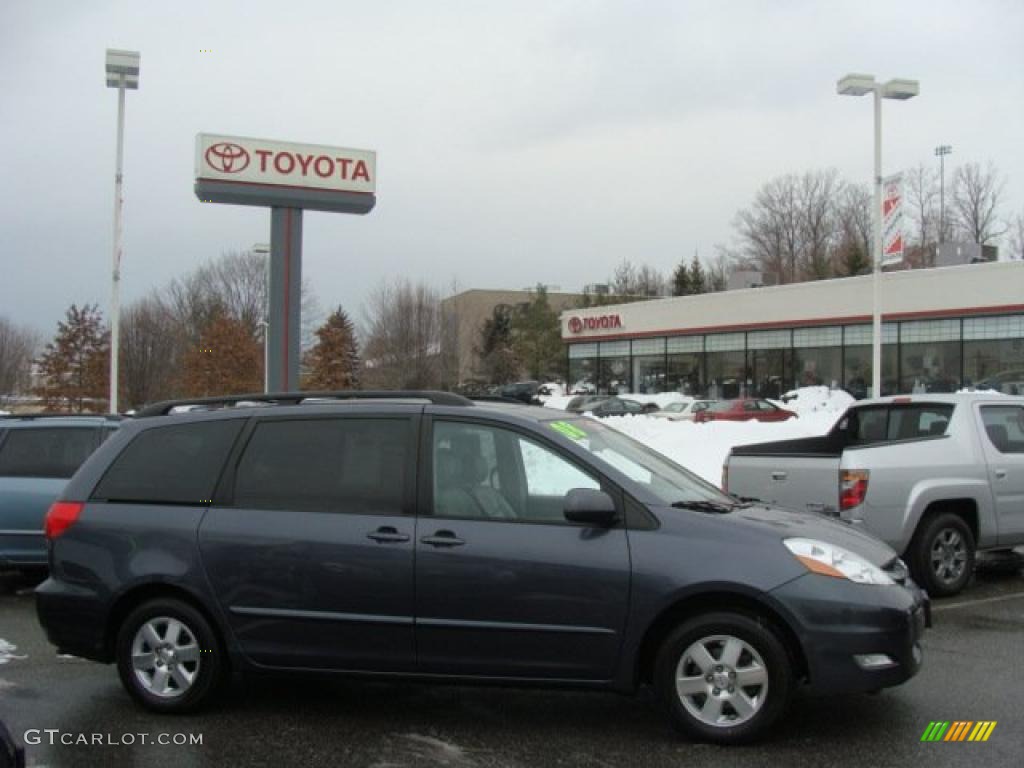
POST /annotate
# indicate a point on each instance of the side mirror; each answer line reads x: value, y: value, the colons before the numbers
x: 585, y: 505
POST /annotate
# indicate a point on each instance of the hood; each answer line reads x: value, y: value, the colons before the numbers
x: 785, y: 523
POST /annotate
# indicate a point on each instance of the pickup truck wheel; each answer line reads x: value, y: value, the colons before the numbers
x: 943, y: 555
x: 723, y: 677
x: 168, y: 656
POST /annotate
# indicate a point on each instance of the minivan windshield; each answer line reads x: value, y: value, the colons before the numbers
x: 666, y: 481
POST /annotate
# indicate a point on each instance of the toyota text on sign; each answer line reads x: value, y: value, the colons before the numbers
x: 260, y: 161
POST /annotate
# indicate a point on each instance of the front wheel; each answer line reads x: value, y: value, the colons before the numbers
x: 723, y: 677
x: 943, y: 555
x: 168, y: 656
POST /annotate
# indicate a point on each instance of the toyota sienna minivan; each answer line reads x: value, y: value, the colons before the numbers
x: 426, y: 536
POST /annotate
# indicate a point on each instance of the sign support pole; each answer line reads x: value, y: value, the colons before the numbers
x: 285, y: 337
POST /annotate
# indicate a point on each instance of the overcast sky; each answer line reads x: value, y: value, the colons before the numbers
x: 517, y: 141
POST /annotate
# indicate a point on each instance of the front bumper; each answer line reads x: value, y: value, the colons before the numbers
x: 838, y: 621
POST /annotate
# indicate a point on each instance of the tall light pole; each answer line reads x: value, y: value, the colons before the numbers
x: 859, y: 85
x: 263, y: 249
x: 123, y: 74
x: 941, y: 151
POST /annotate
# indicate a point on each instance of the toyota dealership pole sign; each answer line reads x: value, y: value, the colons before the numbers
x: 288, y: 178
x: 246, y: 171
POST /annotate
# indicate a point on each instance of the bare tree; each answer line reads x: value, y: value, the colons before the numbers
x: 920, y: 185
x: 402, y: 336
x: 17, y: 348
x: 852, y: 251
x: 631, y: 283
x: 976, y: 198
x: 1016, y: 249
x: 816, y: 198
x: 150, y: 354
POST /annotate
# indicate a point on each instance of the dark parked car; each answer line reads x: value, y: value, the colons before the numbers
x: 37, y: 456
x: 524, y: 391
x: 618, y: 406
x: 579, y: 402
x: 744, y: 409
x: 421, y: 534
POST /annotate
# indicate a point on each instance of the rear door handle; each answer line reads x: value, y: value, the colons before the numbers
x: 443, y: 539
x: 1000, y: 474
x: 386, y: 534
x: 779, y: 475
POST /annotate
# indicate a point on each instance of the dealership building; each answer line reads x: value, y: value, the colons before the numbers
x: 943, y: 328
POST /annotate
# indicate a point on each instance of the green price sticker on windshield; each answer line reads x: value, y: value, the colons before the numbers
x: 569, y: 430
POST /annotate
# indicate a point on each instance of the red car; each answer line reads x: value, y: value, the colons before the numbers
x: 744, y: 409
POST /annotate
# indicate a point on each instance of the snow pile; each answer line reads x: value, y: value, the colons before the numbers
x: 702, y: 447
x: 816, y: 400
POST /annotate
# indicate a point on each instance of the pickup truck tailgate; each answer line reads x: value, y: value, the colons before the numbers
x: 802, y: 483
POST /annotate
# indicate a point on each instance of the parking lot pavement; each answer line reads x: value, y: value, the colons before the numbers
x: 972, y: 671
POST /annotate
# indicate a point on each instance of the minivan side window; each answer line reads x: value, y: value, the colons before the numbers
x: 46, y: 451
x: 178, y: 464
x: 354, y: 466
x: 1004, y: 425
x: 484, y: 472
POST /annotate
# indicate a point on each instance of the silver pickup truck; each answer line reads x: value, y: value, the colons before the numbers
x: 937, y: 477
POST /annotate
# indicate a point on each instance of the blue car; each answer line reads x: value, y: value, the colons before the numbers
x: 37, y: 456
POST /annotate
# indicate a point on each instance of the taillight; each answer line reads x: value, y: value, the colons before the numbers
x: 725, y: 477
x: 60, y: 517
x: 853, y: 487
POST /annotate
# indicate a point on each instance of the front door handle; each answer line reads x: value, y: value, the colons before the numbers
x: 386, y: 534
x: 778, y: 475
x: 443, y: 539
x: 1000, y: 474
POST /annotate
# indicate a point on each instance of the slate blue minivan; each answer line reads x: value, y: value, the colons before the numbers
x: 423, y: 535
x: 37, y: 456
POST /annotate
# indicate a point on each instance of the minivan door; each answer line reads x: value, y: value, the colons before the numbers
x: 312, y: 558
x: 505, y: 586
x: 1003, y: 441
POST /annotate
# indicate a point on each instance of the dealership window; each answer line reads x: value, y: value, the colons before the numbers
x: 685, y: 365
x: 771, y: 362
x: 583, y: 367
x: 857, y: 359
x: 818, y: 356
x: 994, y: 353
x: 727, y: 373
x: 929, y: 356
x: 613, y: 367
x: 649, y: 375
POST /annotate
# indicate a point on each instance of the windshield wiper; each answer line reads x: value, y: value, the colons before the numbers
x: 705, y: 506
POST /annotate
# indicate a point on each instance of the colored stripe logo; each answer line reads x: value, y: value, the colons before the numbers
x: 958, y: 730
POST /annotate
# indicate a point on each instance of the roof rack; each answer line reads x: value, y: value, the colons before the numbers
x: 295, y: 398
x: 495, y: 399
x: 32, y: 416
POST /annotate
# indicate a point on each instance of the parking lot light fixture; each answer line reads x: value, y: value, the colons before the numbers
x: 900, y: 89
x: 122, y: 74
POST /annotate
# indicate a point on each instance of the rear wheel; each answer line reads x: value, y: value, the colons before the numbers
x: 723, y: 677
x: 942, y: 555
x: 168, y: 656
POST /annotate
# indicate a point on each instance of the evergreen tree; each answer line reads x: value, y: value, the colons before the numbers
x: 537, y: 338
x: 333, y: 361
x: 681, y: 280
x: 698, y: 280
x: 75, y: 365
x: 495, y: 350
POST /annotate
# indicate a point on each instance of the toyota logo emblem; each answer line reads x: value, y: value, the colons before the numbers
x: 575, y: 324
x: 227, y: 157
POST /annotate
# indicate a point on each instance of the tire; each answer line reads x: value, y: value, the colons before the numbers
x: 762, y: 660
x: 942, y: 555
x: 167, y: 683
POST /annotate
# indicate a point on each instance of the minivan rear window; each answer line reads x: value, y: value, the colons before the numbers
x: 46, y: 451
x: 179, y: 464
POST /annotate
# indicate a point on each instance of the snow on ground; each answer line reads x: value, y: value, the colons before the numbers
x: 702, y: 448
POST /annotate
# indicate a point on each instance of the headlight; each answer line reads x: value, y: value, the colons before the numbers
x: 830, y: 560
